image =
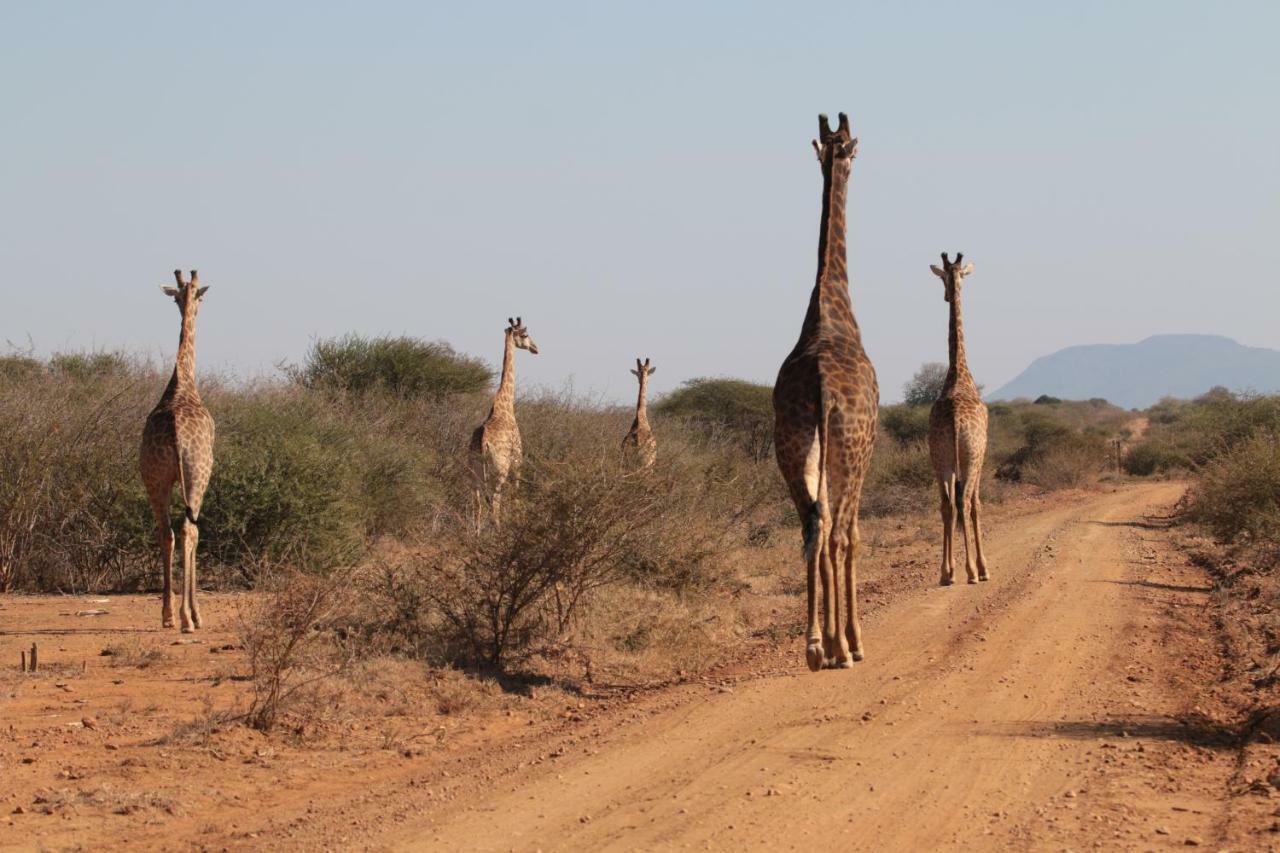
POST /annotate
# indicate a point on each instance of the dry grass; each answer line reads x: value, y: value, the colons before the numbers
x: 132, y: 653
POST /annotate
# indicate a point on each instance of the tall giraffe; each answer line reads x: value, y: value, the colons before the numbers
x: 640, y: 440
x: 177, y: 447
x: 958, y: 438
x: 495, y: 452
x: 825, y: 405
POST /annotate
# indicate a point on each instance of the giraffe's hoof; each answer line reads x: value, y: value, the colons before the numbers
x: 846, y: 663
x: 859, y: 654
x: 984, y: 577
x: 972, y: 579
x: 166, y: 623
x: 814, y: 655
x: 946, y: 581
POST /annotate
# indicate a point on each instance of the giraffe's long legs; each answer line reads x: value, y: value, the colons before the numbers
x: 164, y: 528
x: 963, y: 502
x: 188, y: 612
x: 948, y: 509
x: 853, y: 626
x: 195, y: 480
x: 833, y: 639
x: 814, y: 542
x: 976, y: 509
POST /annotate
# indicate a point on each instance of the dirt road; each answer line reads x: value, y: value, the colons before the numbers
x: 1046, y: 709
x: 1073, y: 702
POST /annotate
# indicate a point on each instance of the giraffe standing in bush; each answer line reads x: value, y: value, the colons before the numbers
x: 640, y: 440
x: 495, y: 452
x: 958, y: 438
x: 177, y: 447
x: 825, y: 404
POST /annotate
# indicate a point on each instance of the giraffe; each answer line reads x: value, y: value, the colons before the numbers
x: 825, y: 404
x: 640, y: 440
x: 495, y: 452
x: 958, y: 438
x: 177, y: 447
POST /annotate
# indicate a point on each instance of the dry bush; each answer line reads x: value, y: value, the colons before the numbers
x: 132, y: 653
x: 296, y: 641
x: 1066, y: 465
x: 1237, y: 496
x: 900, y: 478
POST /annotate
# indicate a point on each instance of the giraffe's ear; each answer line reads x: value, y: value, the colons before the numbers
x: 635, y: 373
x: 968, y: 268
x: 170, y: 291
x: 652, y: 370
x: 201, y: 292
x: 937, y: 270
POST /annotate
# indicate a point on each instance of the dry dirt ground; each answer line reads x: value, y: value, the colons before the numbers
x: 1074, y: 702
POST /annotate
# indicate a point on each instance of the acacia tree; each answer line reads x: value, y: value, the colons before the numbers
x: 925, y: 386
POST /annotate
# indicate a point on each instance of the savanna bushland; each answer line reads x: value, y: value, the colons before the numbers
x: 340, y: 496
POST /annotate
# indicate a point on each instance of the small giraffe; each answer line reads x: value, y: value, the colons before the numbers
x: 958, y: 438
x: 640, y: 441
x: 495, y: 452
x: 825, y: 403
x: 177, y: 447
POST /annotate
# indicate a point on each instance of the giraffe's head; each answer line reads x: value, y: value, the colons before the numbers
x: 834, y: 146
x: 187, y: 294
x: 642, y: 370
x: 952, y: 274
x: 520, y: 335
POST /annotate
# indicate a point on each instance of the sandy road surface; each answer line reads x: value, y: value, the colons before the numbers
x: 1045, y: 710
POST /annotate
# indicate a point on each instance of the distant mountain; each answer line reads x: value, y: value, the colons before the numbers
x: 1137, y: 375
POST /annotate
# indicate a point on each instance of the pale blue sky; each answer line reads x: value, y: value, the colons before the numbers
x: 635, y: 181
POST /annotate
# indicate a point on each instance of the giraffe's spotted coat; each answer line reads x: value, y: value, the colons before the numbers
x: 639, y: 443
x: 177, y: 448
x: 825, y: 404
x: 958, y: 440
x: 495, y: 452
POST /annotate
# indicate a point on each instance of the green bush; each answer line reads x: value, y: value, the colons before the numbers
x: 402, y: 366
x: 90, y: 366
x: 743, y: 409
x: 1153, y: 457
x: 905, y: 423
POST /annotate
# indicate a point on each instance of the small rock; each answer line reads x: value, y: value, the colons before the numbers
x: 1162, y: 830
x: 112, y: 747
x: 1192, y: 841
x: 89, y: 723
x: 20, y: 810
x: 1070, y: 795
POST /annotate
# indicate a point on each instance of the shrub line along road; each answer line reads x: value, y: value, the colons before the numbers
x: 1046, y: 709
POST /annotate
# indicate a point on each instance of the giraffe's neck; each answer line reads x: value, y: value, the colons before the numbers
x: 642, y: 407
x: 505, y: 400
x: 958, y: 373
x: 830, y: 301
x: 183, y: 380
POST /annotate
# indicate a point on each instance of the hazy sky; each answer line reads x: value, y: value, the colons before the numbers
x: 635, y: 182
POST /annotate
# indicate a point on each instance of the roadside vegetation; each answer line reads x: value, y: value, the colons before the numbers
x: 340, y: 492
x: 1228, y: 445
